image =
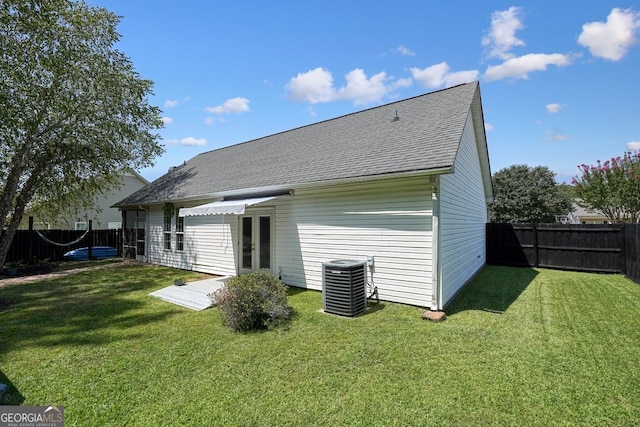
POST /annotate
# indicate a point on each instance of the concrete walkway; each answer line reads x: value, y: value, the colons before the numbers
x: 193, y: 295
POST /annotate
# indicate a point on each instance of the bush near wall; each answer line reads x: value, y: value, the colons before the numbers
x: 252, y: 302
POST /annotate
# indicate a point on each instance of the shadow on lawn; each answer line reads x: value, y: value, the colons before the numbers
x: 81, y: 309
x: 494, y: 289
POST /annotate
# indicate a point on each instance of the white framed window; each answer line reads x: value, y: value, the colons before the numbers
x: 81, y: 225
x: 179, y: 233
x: 115, y: 225
x: 167, y: 229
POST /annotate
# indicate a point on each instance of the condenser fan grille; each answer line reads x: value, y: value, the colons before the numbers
x: 344, y: 287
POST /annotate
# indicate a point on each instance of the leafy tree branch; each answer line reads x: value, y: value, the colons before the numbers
x: 612, y: 187
x: 74, y: 113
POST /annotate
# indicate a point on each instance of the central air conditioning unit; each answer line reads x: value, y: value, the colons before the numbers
x: 344, y: 287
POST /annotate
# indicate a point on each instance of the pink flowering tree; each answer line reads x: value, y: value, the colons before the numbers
x: 612, y: 187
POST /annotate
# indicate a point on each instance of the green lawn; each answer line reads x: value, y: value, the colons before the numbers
x: 519, y: 347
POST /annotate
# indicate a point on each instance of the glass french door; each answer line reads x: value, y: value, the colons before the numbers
x: 256, y: 242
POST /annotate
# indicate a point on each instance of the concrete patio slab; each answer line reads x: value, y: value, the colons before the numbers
x: 193, y: 295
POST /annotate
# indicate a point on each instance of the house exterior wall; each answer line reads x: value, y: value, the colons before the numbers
x: 463, y: 215
x: 389, y: 220
x: 101, y: 219
x: 208, y: 243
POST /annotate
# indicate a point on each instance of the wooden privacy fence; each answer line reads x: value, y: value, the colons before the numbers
x: 632, y: 252
x: 28, y: 247
x: 606, y: 248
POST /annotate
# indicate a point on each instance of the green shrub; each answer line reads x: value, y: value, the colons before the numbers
x: 253, y: 301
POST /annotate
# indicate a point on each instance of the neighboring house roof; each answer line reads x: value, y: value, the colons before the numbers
x: 581, y: 213
x: 131, y: 172
x: 365, y: 144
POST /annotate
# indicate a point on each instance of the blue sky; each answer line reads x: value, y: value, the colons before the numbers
x: 560, y: 83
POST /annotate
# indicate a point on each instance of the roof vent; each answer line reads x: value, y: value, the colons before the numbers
x: 176, y: 167
x: 396, y: 118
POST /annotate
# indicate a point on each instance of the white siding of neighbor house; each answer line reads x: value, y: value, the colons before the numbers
x: 463, y: 215
x: 103, y: 215
x: 389, y: 220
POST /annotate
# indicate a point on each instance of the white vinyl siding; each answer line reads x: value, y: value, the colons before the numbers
x: 463, y: 215
x: 208, y: 243
x: 389, y: 220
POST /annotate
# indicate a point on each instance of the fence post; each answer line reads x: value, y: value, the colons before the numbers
x: 535, y: 244
x: 623, y: 249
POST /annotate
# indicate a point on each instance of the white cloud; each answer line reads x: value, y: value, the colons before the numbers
x: 612, y: 39
x: 401, y: 50
x: 460, y: 77
x: 554, y: 108
x: 167, y: 120
x: 555, y: 136
x: 314, y: 86
x: 212, y: 120
x: 188, y: 141
x: 501, y: 38
x: 431, y: 77
x: 438, y: 75
x: 362, y: 90
x: 635, y: 145
x: 170, y: 103
x: 521, y: 66
x: 233, y: 105
x: 488, y: 127
x: 400, y: 83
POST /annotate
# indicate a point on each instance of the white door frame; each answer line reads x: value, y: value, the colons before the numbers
x: 251, y: 246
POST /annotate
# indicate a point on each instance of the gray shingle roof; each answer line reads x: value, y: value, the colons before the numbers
x: 362, y: 144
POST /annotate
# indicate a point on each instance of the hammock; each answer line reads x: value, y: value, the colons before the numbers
x: 62, y: 244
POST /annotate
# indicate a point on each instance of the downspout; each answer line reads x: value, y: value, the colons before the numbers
x: 435, y: 243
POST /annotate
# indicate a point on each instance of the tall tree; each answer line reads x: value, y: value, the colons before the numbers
x: 612, y: 187
x: 74, y: 113
x: 527, y: 194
